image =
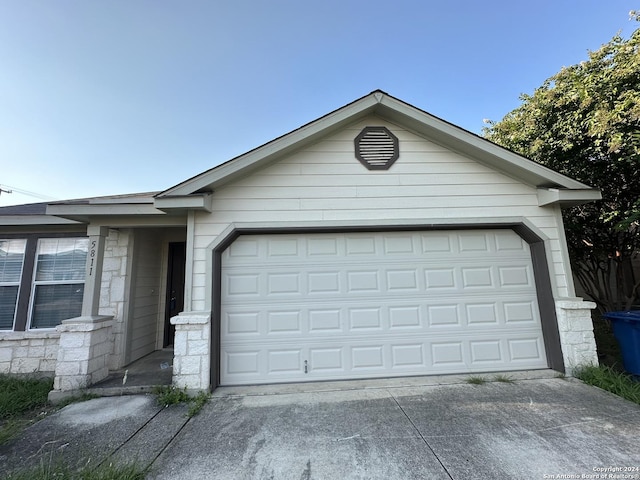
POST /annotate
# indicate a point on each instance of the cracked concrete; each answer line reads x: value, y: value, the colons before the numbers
x: 384, y: 429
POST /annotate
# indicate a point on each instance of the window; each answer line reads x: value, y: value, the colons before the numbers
x: 41, y: 279
x: 58, y: 284
x: 11, y: 263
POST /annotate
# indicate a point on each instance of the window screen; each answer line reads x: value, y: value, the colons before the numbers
x: 58, y: 284
x: 11, y: 262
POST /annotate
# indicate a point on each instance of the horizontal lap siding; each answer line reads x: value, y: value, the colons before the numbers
x: 146, y: 291
x: 325, y: 182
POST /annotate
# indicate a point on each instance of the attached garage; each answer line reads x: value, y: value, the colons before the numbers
x: 302, y: 307
x: 376, y: 241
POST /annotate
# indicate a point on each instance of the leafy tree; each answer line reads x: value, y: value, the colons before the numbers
x: 585, y: 122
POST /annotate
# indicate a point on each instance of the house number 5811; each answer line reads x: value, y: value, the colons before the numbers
x: 92, y: 255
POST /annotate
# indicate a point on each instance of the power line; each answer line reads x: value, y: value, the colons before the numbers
x: 9, y: 189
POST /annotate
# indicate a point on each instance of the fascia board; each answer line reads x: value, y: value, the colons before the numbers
x: 397, y: 111
x: 19, y: 220
x: 129, y: 200
x: 102, y: 209
x: 280, y: 146
x: 475, y: 147
x: 567, y: 198
x: 160, y: 221
x: 202, y: 202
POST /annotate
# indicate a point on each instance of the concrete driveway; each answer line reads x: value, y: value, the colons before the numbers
x: 527, y: 429
x: 431, y: 427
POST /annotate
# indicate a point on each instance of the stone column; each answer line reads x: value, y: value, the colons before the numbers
x: 576, y: 333
x: 83, y: 354
x: 84, y: 348
x: 192, y: 351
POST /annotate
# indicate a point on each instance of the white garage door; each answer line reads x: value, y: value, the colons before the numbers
x: 305, y: 307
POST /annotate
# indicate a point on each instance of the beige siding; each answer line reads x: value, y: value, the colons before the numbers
x: 145, y: 294
x: 325, y: 183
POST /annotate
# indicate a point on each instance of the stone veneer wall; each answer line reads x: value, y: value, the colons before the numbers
x: 113, y: 298
x: 192, y: 350
x: 29, y: 352
x: 85, y: 344
x: 576, y: 333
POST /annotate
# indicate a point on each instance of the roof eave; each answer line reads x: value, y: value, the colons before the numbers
x: 474, y: 146
x: 394, y: 110
x: 27, y: 220
x: 85, y: 211
x: 567, y: 198
x: 280, y: 146
x: 199, y: 202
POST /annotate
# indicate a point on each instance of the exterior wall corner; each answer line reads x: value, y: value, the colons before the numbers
x: 192, y: 351
x: 83, y: 356
x: 576, y: 333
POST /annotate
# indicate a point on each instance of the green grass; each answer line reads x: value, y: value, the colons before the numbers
x: 476, y: 380
x: 611, y: 380
x: 22, y: 401
x: 55, y: 470
x: 169, y: 395
x: 502, y: 378
x: 19, y: 395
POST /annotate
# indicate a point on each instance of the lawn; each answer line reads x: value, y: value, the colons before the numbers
x: 23, y: 401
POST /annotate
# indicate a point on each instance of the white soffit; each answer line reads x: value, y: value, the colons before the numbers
x: 567, y: 198
x: 202, y: 202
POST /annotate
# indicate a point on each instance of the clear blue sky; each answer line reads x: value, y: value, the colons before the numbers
x: 122, y: 96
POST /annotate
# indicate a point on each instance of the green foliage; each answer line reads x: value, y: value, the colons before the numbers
x: 585, y: 123
x: 24, y: 400
x: 502, y: 378
x: 19, y: 395
x: 197, y: 402
x: 11, y: 427
x: 476, y: 380
x: 610, y: 380
x: 170, y: 395
x: 60, y: 471
x: 20, y: 398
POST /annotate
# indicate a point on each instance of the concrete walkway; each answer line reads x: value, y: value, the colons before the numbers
x: 533, y: 428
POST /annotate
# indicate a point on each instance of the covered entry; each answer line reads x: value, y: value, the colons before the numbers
x: 323, y: 306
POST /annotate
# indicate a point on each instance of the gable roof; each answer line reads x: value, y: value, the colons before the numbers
x: 396, y: 111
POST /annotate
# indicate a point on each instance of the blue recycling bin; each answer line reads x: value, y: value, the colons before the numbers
x: 626, y: 329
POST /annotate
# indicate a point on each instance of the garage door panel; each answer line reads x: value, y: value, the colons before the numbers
x: 520, y: 312
x: 323, y: 320
x: 327, y: 360
x: 286, y: 322
x: 405, y: 317
x: 370, y: 358
x: 377, y: 304
x: 389, y: 316
x: 395, y: 280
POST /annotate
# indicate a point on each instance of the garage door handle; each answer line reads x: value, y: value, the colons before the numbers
x: 306, y: 367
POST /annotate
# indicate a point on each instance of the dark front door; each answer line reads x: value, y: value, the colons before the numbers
x: 175, y: 288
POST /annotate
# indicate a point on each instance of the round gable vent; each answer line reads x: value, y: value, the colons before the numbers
x: 377, y: 148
